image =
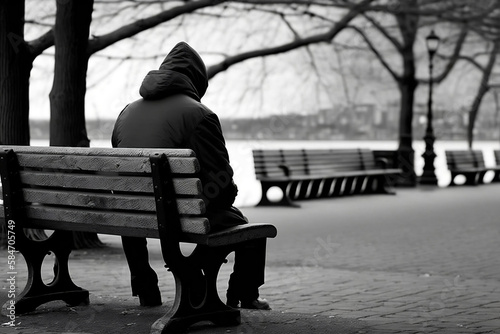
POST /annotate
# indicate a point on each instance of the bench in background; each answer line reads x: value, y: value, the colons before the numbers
x: 152, y: 193
x: 315, y: 173
x: 470, y: 164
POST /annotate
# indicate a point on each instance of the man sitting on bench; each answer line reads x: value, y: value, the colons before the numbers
x: 170, y: 115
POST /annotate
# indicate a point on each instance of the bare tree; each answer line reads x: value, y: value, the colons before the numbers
x: 486, y: 26
x: 74, y: 48
x: 401, y: 32
x: 483, y: 88
x: 16, y: 60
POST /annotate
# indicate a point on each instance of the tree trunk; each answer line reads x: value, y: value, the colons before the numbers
x: 15, y: 66
x: 483, y: 89
x: 408, y: 26
x: 67, y: 97
x: 406, y: 154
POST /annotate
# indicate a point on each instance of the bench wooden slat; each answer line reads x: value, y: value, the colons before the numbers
x: 192, y: 206
x: 462, y: 159
x: 187, y: 186
x: 179, y: 165
x: 107, y: 222
x: 104, y: 151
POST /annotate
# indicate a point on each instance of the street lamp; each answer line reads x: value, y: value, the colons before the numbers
x: 428, y: 175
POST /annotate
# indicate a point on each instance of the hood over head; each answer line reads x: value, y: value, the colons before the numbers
x: 182, y: 72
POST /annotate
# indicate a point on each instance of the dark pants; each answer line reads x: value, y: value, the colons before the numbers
x: 248, y: 271
x: 144, y: 280
x: 249, y: 260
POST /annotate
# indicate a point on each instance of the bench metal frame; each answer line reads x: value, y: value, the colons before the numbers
x: 196, y: 297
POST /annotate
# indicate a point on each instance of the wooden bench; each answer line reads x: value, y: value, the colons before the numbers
x: 315, y: 173
x: 152, y: 193
x: 469, y: 163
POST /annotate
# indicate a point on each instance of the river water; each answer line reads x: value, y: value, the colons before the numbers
x: 240, y: 154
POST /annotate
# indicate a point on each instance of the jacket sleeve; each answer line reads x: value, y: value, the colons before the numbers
x: 216, y: 173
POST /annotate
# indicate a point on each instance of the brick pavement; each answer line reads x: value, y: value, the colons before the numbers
x: 436, y: 272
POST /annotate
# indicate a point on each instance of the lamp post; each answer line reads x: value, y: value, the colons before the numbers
x: 428, y: 175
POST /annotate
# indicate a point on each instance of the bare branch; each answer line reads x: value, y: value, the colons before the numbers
x: 372, y: 47
x: 42, y: 43
x: 37, y: 23
x: 319, y: 38
x: 100, y: 42
x: 384, y: 32
x: 470, y: 60
x: 455, y: 56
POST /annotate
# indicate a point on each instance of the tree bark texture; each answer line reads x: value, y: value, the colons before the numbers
x: 15, y: 65
x: 67, y: 97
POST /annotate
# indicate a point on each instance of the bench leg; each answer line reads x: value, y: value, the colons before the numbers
x: 303, y: 190
x: 349, y: 183
x: 452, y: 182
x: 329, y: 186
x: 480, y: 177
x: 381, y: 184
x: 339, y: 187
x: 364, y: 185
x: 286, y: 188
x: 496, y: 178
x: 293, y: 190
x: 315, y: 188
x: 472, y: 179
x: 196, y: 297
x: 62, y: 287
x: 356, y: 186
x: 324, y: 188
x: 308, y: 189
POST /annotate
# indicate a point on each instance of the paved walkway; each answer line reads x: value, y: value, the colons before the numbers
x: 423, y: 261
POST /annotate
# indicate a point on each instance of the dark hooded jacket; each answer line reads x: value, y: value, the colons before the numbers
x: 170, y: 115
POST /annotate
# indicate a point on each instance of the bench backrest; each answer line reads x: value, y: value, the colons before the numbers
x: 279, y: 163
x: 103, y: 190
x: 462, y: 159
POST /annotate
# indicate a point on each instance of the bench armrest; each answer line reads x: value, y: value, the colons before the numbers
x: 285, y: 169
x: 382, y: 162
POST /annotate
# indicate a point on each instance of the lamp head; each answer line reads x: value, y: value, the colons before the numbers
x: 432, y: 42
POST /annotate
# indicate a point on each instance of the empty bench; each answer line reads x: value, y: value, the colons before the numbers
x: 470, y: 164
x: 153, y: 193
x: 315, y: 173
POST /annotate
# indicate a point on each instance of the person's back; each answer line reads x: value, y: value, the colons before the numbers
x: 171, y: 115
x: 158, y: 123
